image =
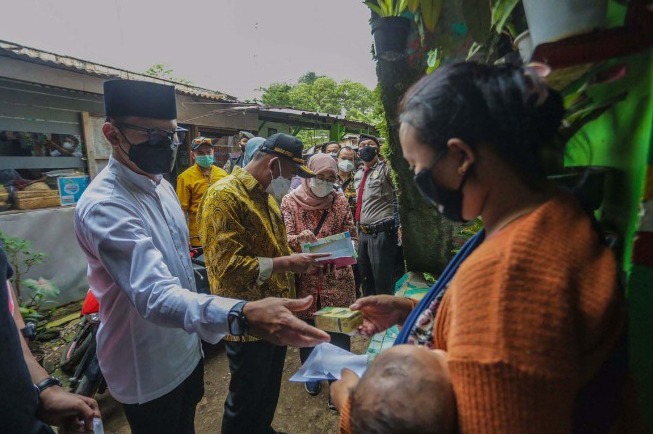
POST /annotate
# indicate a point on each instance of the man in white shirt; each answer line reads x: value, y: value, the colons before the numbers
x: 133, y: 231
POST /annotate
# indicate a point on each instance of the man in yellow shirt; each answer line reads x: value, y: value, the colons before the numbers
x: 194, y: 181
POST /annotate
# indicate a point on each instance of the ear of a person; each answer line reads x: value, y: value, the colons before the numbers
x: 111, y: 133
x: 464, y: 152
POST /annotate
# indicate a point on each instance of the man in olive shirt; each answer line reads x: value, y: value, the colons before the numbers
x: 378, y: 222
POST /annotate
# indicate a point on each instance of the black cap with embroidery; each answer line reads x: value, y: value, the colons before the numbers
x: 289, y: 147
x: 139, y: 98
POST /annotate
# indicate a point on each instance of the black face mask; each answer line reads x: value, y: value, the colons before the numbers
x: 447, y: 202
x: 154, y: 159
x: 368, y: 153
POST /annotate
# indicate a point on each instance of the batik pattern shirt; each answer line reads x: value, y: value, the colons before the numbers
x: 348, y: 189
x: 337, y: 289
x: 238, y: 224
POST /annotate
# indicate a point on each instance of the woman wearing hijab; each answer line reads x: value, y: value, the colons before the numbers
x: 311, y: 211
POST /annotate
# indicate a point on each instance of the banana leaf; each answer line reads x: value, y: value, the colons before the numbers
x: 577, y: 120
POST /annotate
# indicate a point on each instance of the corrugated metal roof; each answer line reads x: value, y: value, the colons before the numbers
x: 289, y: 113
x: 34, y: 55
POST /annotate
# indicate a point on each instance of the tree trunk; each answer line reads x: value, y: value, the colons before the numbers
x: 428, y: 239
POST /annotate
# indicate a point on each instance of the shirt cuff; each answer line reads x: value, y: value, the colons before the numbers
x: 264, y: 270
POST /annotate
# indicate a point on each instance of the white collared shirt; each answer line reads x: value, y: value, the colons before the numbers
x: 134, y: 234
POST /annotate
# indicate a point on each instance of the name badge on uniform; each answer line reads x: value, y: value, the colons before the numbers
x: 375, y: 174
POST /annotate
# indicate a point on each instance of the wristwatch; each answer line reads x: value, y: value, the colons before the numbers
x: 237, y: 321
x: 48, y: 382
x: 29, y: 331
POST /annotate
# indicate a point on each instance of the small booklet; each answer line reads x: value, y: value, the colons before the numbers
x: 341, y: 247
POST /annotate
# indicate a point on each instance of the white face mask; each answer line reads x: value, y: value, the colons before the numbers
x: 346, y: 165
x: 279, y: 186
x: 320, y: 188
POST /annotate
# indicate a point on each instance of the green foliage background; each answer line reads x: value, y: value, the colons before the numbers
x: 323, y: 94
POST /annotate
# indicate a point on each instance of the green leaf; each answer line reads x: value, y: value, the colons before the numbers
x: 478, y: 16
x: 473, y: 49
x: 433, y: 60
x: 501, y: 12
x: 375, y: 8
x: 386, y: 6
x: 413, y: 5
x: 431, y: 10
x: 401, y: 7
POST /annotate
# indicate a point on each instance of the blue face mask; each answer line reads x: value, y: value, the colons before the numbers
x: 447, y: 202
x: 204, y: 160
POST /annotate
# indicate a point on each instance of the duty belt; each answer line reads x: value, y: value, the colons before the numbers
x: 384, y: 226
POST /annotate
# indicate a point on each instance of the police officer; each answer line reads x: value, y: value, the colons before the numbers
x: 378, y: 221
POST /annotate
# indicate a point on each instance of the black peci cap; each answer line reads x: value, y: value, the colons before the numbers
x: 364, y: 137
x: 289, y: 147
x: 139, y: 98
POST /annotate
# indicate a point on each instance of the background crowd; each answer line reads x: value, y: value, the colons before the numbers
x: 525, y: 328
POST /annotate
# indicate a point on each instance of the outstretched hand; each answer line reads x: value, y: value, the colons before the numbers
x: 272, y: 319
x: 380, y: 312
x: 73, y: 413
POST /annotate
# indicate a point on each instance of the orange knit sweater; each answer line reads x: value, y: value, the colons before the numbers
x: 529, y: 318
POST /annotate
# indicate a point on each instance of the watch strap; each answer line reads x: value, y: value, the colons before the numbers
x: 48, y: 382
x: 236, y: 314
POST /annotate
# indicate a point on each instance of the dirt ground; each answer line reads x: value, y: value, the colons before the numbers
x: 297, y: 412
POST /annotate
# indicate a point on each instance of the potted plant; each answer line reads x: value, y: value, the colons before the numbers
x: 552, y: 20
x: 390, y: 29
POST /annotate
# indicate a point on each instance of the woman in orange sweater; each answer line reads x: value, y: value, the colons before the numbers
x: 533, y: 317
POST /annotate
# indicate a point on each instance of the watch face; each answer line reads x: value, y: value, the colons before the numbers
x: 235, y: 326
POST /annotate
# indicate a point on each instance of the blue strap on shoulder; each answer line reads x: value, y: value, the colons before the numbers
x: 438, y: 289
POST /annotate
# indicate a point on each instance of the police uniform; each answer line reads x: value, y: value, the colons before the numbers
x: 378, y: 249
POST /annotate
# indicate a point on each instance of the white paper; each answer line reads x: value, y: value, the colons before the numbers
x: 98, y: 428
x: 327, y: 361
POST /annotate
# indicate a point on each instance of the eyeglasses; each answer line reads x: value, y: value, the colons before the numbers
x: 156, y: 135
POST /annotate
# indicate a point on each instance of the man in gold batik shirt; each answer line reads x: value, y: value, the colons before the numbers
x: 247, y: 255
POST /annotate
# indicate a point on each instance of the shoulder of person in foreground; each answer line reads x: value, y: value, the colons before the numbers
x: 529, y: 318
